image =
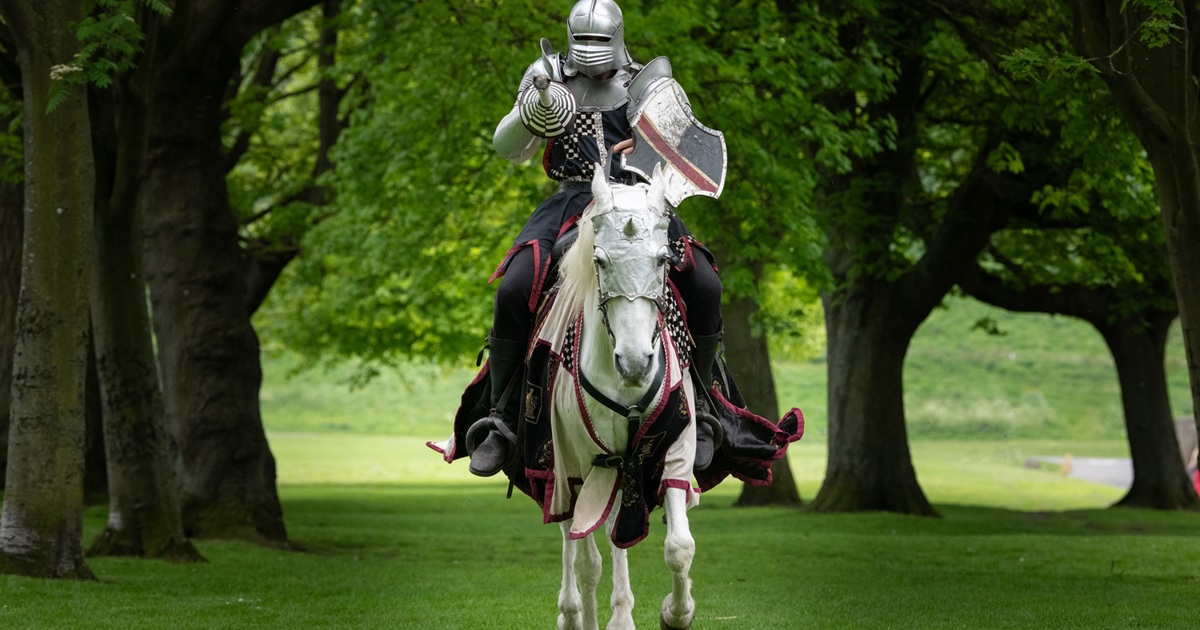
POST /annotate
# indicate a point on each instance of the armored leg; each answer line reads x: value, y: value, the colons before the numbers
x: 707, y: 426
x: 490, y: 440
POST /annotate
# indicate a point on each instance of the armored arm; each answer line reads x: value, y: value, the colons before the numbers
x: 543, y: 109
x: 512, y: 140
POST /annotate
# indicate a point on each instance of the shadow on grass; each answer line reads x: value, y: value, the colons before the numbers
x: 408, y: 556
x: 425, y: 504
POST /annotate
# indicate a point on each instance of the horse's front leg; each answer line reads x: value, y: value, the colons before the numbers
x: 588, y: 566
x: 581, y: 574
x: 569, y: 603
x: 622, y: 594
x: 678, y: 609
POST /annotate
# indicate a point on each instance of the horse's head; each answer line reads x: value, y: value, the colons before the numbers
x: 631, y: 255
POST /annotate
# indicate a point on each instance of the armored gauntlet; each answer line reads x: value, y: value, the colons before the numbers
x: 546, y: 107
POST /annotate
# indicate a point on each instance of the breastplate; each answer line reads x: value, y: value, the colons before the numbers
x: 600, y: 95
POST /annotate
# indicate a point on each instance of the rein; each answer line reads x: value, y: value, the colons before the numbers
x: 632, y: 413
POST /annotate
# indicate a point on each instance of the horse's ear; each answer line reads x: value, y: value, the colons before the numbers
x: 658, y: 189
x: 600, y: 190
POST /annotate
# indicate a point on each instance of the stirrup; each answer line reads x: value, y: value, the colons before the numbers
x: 482, y: 427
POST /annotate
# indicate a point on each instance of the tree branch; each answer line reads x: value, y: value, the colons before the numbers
x: 264, y: 76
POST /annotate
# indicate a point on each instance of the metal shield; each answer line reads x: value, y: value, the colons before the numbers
x: 666, y: 133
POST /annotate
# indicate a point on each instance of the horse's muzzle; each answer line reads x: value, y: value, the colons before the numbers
x: 636, y: 372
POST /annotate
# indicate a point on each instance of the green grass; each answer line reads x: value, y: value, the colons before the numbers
x: 416, y: 399
x: 395, y: 538
x: 1045, y: 377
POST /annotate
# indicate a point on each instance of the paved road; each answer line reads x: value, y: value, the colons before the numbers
x: 1114, y: 471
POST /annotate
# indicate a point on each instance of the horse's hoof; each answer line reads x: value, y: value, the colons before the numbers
x: 669, y: 621
x: 662, y: 623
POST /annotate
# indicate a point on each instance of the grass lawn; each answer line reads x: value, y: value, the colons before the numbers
x: 397, y: 539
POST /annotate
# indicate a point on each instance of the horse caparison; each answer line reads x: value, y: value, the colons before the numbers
x: 613, y: 281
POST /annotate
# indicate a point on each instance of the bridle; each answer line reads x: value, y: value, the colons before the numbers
x: 668, y: 258
x: 659, y: 299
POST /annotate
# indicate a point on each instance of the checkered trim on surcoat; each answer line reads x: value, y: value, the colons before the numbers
x: 589, y: 125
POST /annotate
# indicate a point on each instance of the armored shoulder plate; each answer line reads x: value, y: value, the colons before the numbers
x: 659, y: 68
x: 691, y: 156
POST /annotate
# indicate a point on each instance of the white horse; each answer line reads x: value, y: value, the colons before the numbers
x: 611, y: 293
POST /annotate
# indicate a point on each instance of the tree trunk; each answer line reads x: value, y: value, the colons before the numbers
x: 1159, y: 479
x: 208, y: 351
x: 144, y: 515
x: 11, y: 221
x: 41, y: 526
x: 748, y: 359
x: 1177, y: 174
x: 95, y: 473
x: 1157, y: 92
x: 869, y: 467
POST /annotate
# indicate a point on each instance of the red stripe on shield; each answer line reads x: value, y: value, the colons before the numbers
x: 664, y: 148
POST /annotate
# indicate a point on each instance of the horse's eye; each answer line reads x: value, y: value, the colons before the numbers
x: 600, y: 257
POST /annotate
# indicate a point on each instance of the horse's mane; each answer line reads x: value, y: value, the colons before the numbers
x: 577, y: 271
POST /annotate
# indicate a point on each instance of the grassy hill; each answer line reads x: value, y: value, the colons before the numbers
x: 1042, y: 377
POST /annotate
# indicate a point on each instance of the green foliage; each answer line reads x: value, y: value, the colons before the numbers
x: 1005, y: 158
x: 790, y: 315
x: 277, y: 121
x: 1030, y: 64
x: 1100, y: 205
x: 1161, y: 26
x: 111, y: 39
x: 764, y: 75
x: 422, y: 209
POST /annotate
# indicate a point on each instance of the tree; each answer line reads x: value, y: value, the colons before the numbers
x: 41, y: 526
x: 11, y: 227
x: 1145, y: 52
x: 144, y: 516
x: 904, y: 221
x: 875, y: 305
x: 1137, y: 340
x: 748, y: 357
x: 1095, y: 251
x: 738, y: 62
x: 208, y: 350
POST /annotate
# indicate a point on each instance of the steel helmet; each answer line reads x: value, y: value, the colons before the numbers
x: 596, y: 38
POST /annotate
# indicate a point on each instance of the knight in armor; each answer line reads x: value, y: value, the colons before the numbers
x: 577, y: 104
